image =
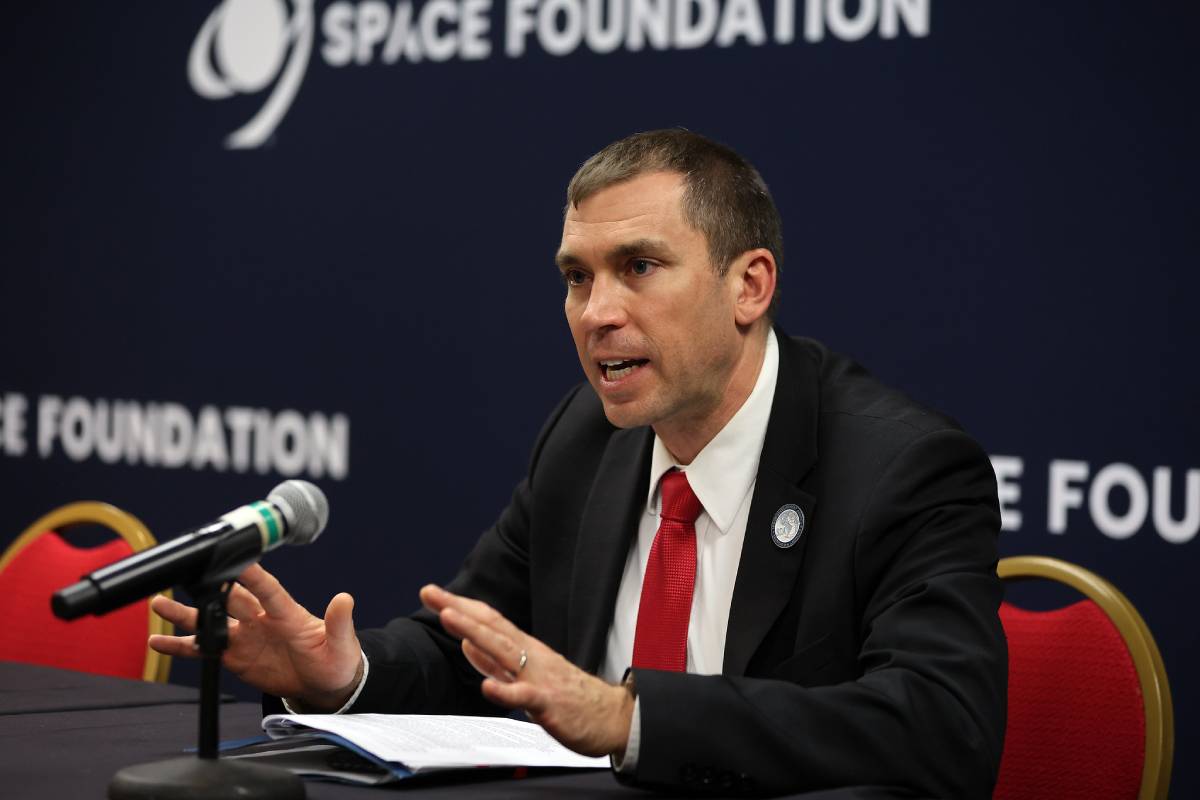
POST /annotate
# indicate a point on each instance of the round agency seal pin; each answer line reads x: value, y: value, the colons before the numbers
x: 787, y: 526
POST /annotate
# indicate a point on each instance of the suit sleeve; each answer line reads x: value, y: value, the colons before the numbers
x: 927, y: 712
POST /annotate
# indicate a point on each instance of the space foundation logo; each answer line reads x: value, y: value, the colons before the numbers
x: 264, y: 47
x: 242, y: 48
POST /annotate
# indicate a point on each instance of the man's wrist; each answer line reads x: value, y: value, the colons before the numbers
x: 334, y: 703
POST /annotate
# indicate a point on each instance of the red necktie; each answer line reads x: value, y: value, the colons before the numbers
x: 662, y: 623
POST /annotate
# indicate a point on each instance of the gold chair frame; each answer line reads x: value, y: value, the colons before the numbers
x: 128, y: 527
x: 1147, y: 661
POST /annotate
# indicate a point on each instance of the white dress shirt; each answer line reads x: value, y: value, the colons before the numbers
x: 722, y: 475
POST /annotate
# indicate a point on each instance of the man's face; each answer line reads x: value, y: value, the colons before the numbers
x: 652, y: 322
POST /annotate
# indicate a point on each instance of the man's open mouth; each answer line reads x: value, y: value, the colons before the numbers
x: 616, y: 370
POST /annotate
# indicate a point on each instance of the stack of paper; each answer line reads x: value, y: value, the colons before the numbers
x: 406, y: 744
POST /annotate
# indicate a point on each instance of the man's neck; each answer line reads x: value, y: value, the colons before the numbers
x: 686, y: 437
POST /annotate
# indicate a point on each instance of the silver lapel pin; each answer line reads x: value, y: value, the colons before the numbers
x: 787, y: 526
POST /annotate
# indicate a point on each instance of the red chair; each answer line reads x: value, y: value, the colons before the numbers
x: 1089, y: 707
x: 41, y: 561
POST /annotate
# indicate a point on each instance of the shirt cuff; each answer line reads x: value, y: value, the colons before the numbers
x: 628, y: 764
x: 357, y: 691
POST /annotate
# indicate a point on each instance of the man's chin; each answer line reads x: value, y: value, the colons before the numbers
x: 626, y: 415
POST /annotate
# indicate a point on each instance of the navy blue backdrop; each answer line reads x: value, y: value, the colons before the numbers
x: 255, y: 239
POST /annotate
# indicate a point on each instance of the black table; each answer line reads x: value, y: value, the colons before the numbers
x: 65, y: 743
x: 30, y: 689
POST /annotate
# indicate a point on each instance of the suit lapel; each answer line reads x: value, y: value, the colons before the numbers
x: 609, y: 523
x: 767, y: 573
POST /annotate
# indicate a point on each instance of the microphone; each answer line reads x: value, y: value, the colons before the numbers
x: 294, y: 512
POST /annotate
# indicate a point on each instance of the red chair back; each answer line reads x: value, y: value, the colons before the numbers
x: 113, y: 644
x: 1089, y: 704
x: 40, y: 561
x: 1076, y: 716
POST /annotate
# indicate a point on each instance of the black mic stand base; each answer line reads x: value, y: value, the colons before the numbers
x: 193, y: 778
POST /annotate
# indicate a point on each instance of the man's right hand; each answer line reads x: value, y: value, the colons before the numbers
x: 275, y: 644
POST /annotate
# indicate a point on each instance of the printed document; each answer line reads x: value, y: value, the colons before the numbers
x: 423, y: 742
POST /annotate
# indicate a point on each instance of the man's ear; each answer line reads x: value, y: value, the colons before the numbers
x: 752, y: 276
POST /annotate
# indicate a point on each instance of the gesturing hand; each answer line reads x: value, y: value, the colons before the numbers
x: 586, y: 714
x: 275, y: 644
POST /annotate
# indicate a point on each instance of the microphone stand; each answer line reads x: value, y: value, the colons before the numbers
x: 205, y: 775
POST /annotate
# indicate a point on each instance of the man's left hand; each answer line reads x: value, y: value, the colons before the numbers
x: 585, y: 713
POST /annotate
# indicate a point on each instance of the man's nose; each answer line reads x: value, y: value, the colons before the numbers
x: 605, y: 305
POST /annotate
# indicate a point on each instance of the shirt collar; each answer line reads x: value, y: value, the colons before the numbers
x: 722, y: 473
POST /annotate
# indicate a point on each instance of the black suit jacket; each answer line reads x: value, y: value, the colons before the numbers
x: 868, y: 653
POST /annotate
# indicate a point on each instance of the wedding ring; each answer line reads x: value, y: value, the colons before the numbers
x: 524, y: 661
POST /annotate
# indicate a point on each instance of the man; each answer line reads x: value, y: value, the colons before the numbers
x: 815, y: 549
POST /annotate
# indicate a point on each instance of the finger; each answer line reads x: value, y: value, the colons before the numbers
x: 241, y: 604
x: 476, y: 609
x: 270, y: 592
x: 182, y: 646
x: 484, y: 664
x: 440, y: 599
x: 498, y: 646
x: 472, y: 619
x: 433, y: 597
x: 174, y: 612
x: 339, y: 623
x: 513, y: 695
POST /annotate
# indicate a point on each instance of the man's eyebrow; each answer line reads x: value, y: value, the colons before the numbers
x: 655, y: 248
x: 564, y: 260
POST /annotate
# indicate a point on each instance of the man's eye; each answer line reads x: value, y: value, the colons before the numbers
x: 641, y: 266
x: 574, y: 277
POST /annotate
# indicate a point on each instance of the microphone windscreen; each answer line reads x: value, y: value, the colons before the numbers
x: 304, y: 507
